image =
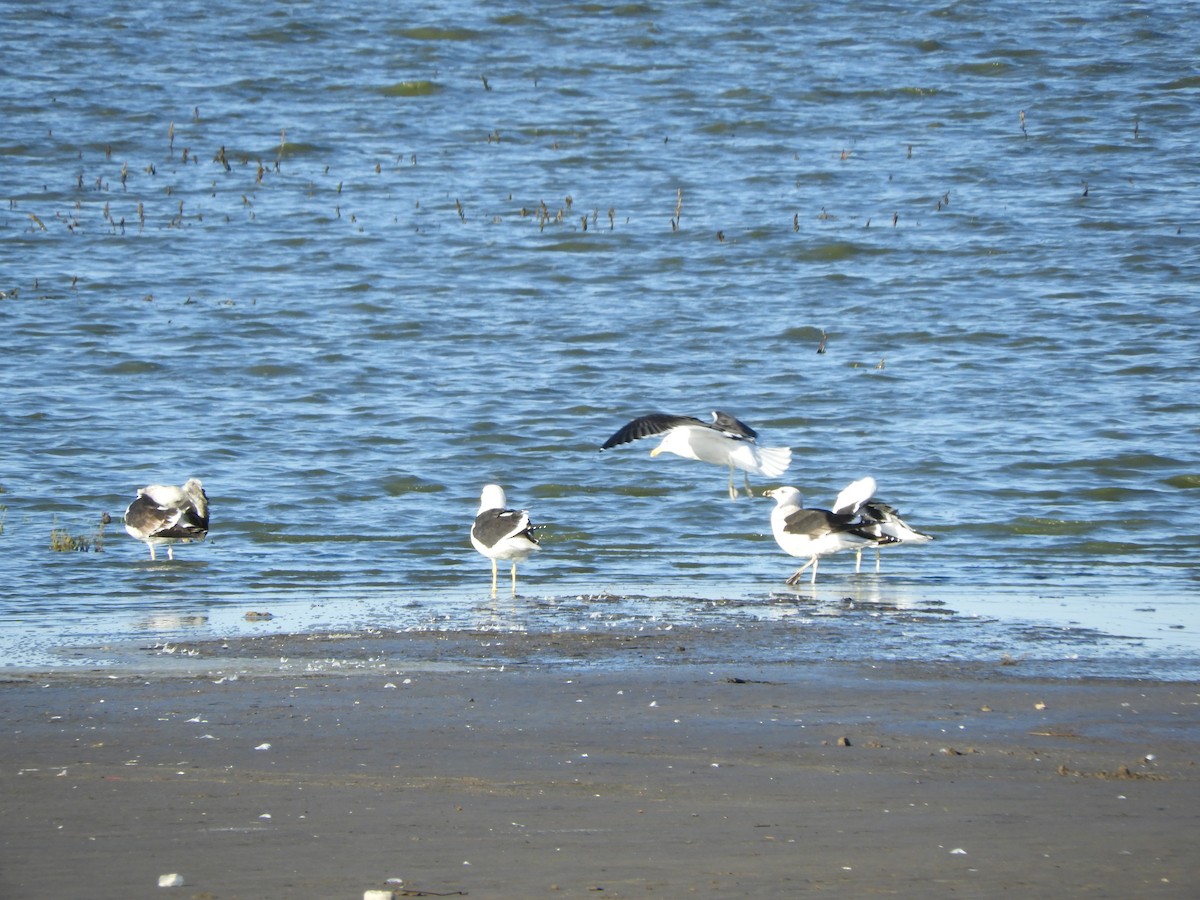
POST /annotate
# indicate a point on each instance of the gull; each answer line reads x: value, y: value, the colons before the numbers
x: 725, y: 441
x: 884, y: 520
x: 500, y: 533
x: 165, y: 514
x: 814, y: 533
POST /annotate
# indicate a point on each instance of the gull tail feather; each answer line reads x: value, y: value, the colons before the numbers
x: 772, y: 461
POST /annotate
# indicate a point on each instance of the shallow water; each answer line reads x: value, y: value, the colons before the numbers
x: 390, y: 298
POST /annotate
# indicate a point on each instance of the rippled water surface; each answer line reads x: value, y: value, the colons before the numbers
x: 348, y: 263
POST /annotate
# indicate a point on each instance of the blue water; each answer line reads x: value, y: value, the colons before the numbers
x: 390, y: 297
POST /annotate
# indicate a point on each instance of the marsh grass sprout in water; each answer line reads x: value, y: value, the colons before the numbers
x: 62, y: 541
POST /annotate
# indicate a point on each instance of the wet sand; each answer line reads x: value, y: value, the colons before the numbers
x: 475, y: 765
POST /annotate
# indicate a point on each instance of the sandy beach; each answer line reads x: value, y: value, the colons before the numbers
x: 321, y: 767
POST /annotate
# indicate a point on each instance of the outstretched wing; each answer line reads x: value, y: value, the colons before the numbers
x: 854, y: 495
x: 648, y: 426
x: 733, y: 427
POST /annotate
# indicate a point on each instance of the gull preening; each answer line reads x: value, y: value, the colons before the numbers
x: 884, y: 521
x: 814, y: 533
x: 725, y: 441
x: 165, y: 514
x: 501, y: 533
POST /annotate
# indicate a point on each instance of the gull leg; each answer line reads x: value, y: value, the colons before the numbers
x: 814, y: 575
x: 732, y: 490
x: 795, y: 576
x: 858, y: 560
x: 151, y: 546
x: 493, y: 578
x: 514, y: 577
x: 877, y: 555
x: 749, y: 490
x: 170, y: 552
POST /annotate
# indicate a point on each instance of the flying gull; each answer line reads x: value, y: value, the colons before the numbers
x: 724, y: 441
x: 165, y: 514
x: 500, y: 533
x: 814, y: 533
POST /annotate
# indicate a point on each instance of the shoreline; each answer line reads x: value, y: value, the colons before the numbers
x: 1077, y: 633
x: 526, y: 770
x: 1048, y: 652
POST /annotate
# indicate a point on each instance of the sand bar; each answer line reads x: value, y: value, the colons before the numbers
x: 309, y: 766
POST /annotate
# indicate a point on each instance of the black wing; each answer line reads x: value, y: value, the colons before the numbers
x: 816, y: 522
x: 647, y: 426
x: 193, y: 522
x: 153, y: 520
x: 881, y: 514
x: 735, y: 428
x: 495, y: 525
x: 875, y: 510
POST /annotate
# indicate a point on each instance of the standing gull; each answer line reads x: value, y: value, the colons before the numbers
x: 814, y: 533
x: 725, y: 441
x: 884, y: 520
x: 165, y: 514
x: 500, y: 533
